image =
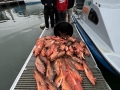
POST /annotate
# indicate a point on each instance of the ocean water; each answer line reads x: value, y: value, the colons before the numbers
x: 19, y: 30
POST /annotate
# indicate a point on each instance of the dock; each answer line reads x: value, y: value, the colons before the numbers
x: 25, y: 80
x: 10, y: 2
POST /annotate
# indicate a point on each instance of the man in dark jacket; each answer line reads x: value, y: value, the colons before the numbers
x: 70, y: 9
x: 48, y: 12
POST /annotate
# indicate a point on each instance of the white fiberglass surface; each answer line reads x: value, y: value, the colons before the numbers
x: 111, y: 20
x: 115, y: 61
x: 111, y: 57
x: 107, y: 1
x: 95, y: 38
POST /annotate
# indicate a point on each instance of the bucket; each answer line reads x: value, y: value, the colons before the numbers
x: 63, y: 28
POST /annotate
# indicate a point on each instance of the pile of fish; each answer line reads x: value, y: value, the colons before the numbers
x: 59, y: 62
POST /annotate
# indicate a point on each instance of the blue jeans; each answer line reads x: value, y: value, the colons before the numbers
x: 62, y: 16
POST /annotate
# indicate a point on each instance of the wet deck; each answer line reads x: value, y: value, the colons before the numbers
x: 25, y: 80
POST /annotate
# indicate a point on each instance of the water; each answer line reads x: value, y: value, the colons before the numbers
x: 112, y: 80
x: 19, y: 30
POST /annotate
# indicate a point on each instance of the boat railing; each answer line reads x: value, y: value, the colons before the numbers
x: 78, y: 6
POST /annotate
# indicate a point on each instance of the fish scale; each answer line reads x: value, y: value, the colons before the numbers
x: 26, y: 81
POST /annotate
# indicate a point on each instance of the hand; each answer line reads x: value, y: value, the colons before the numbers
x: 45, y: 4
x: 52, y: 4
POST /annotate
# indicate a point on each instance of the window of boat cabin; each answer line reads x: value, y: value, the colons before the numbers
x: 93, y: 16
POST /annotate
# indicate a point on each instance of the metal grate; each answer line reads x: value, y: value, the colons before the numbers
x: 27, y: 82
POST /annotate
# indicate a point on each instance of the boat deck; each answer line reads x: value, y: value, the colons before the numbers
x: 25, y: 80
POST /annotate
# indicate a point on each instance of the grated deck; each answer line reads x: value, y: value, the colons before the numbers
x: 27, y: 82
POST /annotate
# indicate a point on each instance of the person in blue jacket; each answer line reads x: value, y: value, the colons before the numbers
x: 48, y: 12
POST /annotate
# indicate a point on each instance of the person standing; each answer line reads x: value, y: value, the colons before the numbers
x: 56, y: 14
x: 48, y: 12
x: 69, y: 10
x: 61, y: 8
